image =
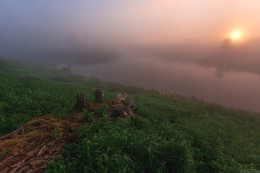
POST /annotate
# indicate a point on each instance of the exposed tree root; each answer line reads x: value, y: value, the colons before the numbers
x: 34, y: 144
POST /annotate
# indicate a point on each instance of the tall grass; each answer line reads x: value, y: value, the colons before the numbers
x: 169, y: 134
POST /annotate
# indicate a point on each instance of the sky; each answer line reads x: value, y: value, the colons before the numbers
x: 209, y: 49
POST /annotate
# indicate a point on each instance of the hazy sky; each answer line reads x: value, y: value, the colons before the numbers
x: 206, y: 48
x: 163, y: 21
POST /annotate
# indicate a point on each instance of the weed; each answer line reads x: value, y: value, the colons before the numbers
x: 89, y: 117
x: 57, y: 133
x: 101, y: 111
x: 4, y: 150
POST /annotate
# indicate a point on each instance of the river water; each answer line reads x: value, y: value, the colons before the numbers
x: 240, y: 90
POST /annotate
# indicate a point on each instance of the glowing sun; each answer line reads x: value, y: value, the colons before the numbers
x: 236, y: 35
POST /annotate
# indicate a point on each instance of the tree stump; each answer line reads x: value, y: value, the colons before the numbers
x: 99, y: 95
x: 121, y: 107
x: 121, y: 97
x: 81, y: 102
x: 131, y: 104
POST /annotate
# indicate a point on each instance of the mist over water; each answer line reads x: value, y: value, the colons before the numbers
x: 238, y: 90
x: 180, y: 47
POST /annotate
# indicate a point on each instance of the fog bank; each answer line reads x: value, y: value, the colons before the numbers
x: 185, y: 47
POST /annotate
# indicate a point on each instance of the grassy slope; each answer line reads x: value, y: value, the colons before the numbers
x: 169, y: 133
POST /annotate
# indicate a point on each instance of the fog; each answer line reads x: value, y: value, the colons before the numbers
x: 184, y: 47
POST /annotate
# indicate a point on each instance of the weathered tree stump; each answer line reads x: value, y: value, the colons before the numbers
x: 99, y: 95
x: 121, y: 107
x: 131, y: 104
x: 121, y: 96
x: 82, y: 102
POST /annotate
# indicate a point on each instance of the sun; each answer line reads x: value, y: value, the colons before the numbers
x: 236, y: 35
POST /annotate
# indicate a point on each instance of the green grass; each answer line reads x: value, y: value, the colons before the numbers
x: 169, y: 133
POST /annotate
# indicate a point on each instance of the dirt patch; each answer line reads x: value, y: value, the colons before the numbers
x: 34, y: 144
